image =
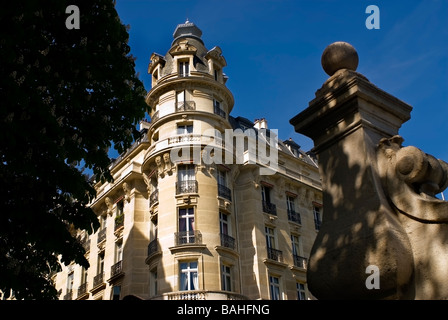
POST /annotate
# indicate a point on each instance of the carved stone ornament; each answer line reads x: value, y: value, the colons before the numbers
x: 109, y: 205
x: 183, y: 47
x: 412, y: 179
x: 127, y: 191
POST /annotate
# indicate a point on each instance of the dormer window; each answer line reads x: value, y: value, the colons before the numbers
x: 184, y: 68
x: 217, y: 74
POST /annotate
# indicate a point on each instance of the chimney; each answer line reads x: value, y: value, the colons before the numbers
x: 260, y: 123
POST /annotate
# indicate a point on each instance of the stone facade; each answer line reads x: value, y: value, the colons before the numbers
x: 181, y: 221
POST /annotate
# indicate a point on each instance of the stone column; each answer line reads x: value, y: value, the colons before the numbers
x: 347, y: 120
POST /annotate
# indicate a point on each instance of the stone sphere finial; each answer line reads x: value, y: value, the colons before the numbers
x: 339, y: 55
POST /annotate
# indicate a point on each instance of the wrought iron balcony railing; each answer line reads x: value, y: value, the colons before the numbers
x: 187, y: 186
x: 275, y: 254
x: 224, y: 192
x: 82, y: 289
x: 294, y: 216
x: 116, y: 269
x: 269, y: 208
x: 188, y: 237
x: 227, y: 241
x: 68, y: 295
x: 101, y: 235
x: 153, y: 247
x: 299, y: 261
x: 185, y: 106
x: 98, y: 279
x: 219, y: 111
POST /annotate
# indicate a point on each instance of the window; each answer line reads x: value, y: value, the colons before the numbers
x: 118, y: 251
x: 295, y: 241
x: 266, y: 194
x: 223, y: 223
x: 186, y: 226
x: 216, y: 74
x: 100, y: 265
x: 217, y: 108
x: 188, y: 276
x: 271, y: 247
x: 268, y: 206
x: 223, y: 190
x: 222, y: 178
x: 83, y: 275
x: 153, y: 229
x: 292, y: 214
x: 184, y: 129
x: 120, y: 206
x: 270, y: 237
x: 180, y: 98
x: 116, y: 292
x: 274, y: 287
x: 103, y: 220
x: 290, y: 203
x: 300, y: 291
x: 153, y: 282
x: 317, y: 217
x: 186, y: 179
x: 70, y: 280
x: 224, y: 227
x: 184, y: 68
x: 226, y: 278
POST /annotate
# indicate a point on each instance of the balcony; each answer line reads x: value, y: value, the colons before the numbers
x: 275, y: 254
x: 219, y: 112
x: 155, y: 116
x: 187, y: 186
x: 184, y: 138
x: 82, y: 290
x: 98, y: 279
x: 227, y: 241
x: 68, y: 295
x: 200, y: 295
x: 153, y: 247
x: 294, y: 216
x: 119, y: 221
x: 188, y: 237
x: 116, y: 271
x: 185, y: 106
x: 269, y: 208
x: 299, y: 261
x: 101, y: 235
x: 154, y: 197
x: 224, y: 192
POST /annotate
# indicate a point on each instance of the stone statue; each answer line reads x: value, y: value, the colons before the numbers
x: 109, y: 205
x: 160, y: 166
x: 380, y: 211
x: 127, y: 191
x: 167, y: 163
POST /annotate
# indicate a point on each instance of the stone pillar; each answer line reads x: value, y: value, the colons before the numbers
x: 347, y: 120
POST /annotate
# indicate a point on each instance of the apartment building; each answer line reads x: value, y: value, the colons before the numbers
x: 204, y: 205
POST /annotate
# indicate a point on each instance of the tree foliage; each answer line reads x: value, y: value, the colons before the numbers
x: 66, y: 97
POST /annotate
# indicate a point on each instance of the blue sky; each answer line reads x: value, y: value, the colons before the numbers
x: 273, y: 51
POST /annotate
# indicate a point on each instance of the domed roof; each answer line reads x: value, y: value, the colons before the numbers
x: 187, y: 29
